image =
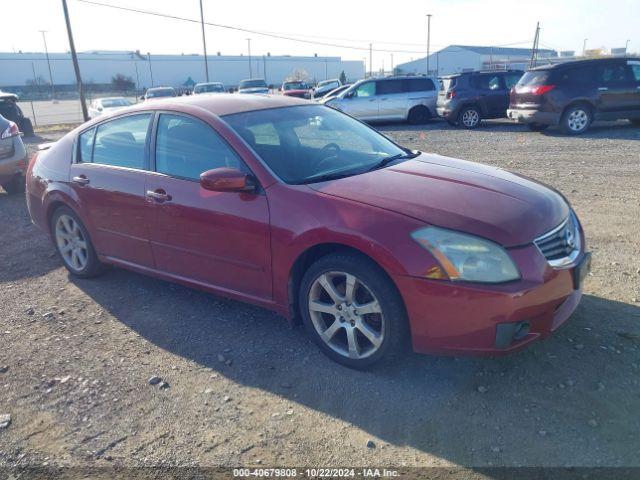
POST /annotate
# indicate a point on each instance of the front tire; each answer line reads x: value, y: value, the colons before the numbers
x: 470, y: 117
x: 352, y: 310
x: 74, y: 244
x: 576, y: 119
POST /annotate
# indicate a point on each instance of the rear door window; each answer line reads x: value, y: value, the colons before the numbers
x: 613, y: 74
x: 487, y: 82
x: 85, y: 146
x: 121, y: 142
x: 386, y: 87
x: 420, y: 85
x: 583, y: 75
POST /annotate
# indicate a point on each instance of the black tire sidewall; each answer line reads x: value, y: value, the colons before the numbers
x: 537, y: 127
x: 395, y: 324
x: 419, y: 115
x: 15, y: 185
x: 94, y: 267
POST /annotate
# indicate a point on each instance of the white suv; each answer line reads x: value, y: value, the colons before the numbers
x: 411, y: 99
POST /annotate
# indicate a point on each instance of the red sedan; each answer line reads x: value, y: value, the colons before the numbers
x: 302, y: 209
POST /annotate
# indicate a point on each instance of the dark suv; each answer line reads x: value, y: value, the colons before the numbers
x: 466, y: 98
x: 573, y: 94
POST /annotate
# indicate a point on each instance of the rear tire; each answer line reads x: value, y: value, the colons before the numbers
x: 537, y: 127
x: 576, y: 119
x: 470, y: 117
x: 15, y: 185
x: 27, y: 127
x: 357, y: 326
x: 419, y: 115
x: 74, y: 244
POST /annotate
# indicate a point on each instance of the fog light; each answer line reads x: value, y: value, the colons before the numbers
x: 507, y: 333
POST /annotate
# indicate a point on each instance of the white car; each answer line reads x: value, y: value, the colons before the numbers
x: 326, y: 86
x: 407, y: 99
x: 208, y: 87
x: 101, y: 106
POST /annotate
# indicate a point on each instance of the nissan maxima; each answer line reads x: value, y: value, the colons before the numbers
x: 304, y: 210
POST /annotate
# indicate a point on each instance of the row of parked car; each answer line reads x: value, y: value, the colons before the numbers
x: 570, y: 95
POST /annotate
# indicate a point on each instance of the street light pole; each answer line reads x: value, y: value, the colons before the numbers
x: 76, y: 66
x: 204, y: 43
x: 150, y: 69
x: 46, y: 52
x: 626, y: 46
x: 428, y: 40
x: 584, y: 47
x: 249, y: 52
x: 371, y: 59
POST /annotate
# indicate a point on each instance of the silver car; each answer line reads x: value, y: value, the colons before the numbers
x: 13, y: 157
x: 410, y: 99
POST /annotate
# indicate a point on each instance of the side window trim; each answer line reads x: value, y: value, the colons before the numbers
x: 154, y: 140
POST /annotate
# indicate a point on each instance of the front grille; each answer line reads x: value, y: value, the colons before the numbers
x: 561, y: 245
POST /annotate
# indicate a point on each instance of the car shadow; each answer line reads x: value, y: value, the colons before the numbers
x: 24, y: 250
x: 469, y: 411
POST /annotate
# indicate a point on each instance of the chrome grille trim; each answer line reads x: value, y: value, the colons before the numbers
x: 561, y: 246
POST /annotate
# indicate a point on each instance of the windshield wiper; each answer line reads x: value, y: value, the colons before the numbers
x: 387, y: 160
x: 324, y: 177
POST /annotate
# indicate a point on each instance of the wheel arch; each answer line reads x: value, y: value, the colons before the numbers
x: 581, y: 101
x: 310, y: 255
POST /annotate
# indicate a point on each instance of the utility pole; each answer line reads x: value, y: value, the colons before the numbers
x: 204, y: 43
x: 428, y: 40
x: 135, y: 64
x: 371, y: 59
x: 249, y: 52
x: 46, y: 52
x: 150, y: 69
x: 534, y: 49
x: 584, y: 47
x: 74, y: 57
x: 626, y: 47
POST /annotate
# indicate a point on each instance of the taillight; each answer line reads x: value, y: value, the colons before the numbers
x: 11, y: 131
x: 451, y: 94
x: 542, y: 89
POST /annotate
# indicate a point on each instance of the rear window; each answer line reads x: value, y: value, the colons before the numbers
x: 534, y: 78
x: 447, y: 83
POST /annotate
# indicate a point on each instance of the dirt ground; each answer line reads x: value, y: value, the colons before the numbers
x: 244, y: 389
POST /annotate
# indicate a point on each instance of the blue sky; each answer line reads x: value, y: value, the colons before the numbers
x: 399, y: 26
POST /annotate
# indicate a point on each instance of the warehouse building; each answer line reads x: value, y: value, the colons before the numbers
x: 467, y: 58
x: 19, y: 70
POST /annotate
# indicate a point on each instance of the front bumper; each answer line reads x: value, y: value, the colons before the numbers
x: 522, y: 115
x: 450, y: 318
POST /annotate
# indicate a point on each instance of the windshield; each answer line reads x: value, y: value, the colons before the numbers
x: 307, y: 144
x: 161, y: 92
x: 115, y: 102
x: 209, y: 87
x: 295, y: 86
x: 253, y: 84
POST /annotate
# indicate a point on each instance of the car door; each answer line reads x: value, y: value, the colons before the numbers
x: 422, y: 91
x: 107, y: 176
x: 392, y: 99
x: 492, y: 93
x: 616, y: 89
x: 361, y: 102
x: 216, y: 239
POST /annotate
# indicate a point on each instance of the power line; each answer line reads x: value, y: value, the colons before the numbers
x: 281, y: 36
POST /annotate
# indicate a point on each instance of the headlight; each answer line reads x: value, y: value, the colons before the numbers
x: 466, y: 257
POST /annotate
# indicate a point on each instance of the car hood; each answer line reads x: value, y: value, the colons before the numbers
x: 254, y: 90
x: 465, y: 196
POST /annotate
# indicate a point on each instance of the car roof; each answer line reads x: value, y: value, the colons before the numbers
x: 227, y: 104
x: 478, y: 72
x: 8, y: 96
x: 586, y: 61
x: 208, y: 83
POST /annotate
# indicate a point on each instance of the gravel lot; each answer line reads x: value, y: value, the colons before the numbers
x: 244, y: 389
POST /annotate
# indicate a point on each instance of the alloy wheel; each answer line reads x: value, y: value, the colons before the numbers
x: 578, y: 120
x: 470, y: 118
x: 346, y: 315
x: 71, y: 243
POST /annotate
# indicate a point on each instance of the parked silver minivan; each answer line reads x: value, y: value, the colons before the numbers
x: 407, y: 98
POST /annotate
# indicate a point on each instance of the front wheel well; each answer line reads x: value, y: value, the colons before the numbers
x: 306, y: 259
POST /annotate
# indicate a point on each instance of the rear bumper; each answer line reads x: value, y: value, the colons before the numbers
x: 522, y: 115
x: 455, y: 319
x: 15, y: 164
x: 446, y: 113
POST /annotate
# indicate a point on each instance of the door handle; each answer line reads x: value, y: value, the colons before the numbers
x: 159, y: 196
x: 602, y: 89
x: 81, y: 180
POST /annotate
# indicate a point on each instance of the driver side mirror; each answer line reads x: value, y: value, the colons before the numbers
x: 227, y: 180
x: 350, y: 94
